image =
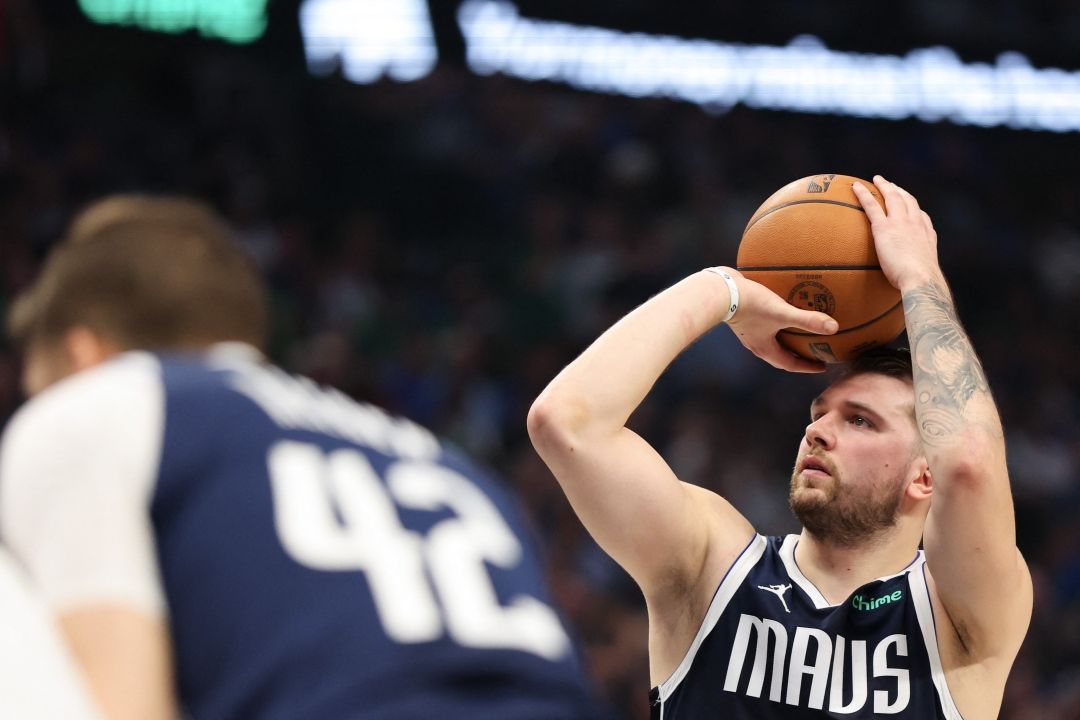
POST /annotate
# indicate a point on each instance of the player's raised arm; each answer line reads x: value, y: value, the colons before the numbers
x: 664, y: 532
x: 970, y: 535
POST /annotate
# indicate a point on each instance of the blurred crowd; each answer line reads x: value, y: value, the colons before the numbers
x: 444, y: 247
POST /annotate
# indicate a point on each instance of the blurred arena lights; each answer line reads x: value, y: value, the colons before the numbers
x: 369, y: 38
x: 236, y: 21
x: 804, y: 76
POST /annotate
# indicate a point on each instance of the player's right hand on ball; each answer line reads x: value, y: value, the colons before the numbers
x: 762, y: 314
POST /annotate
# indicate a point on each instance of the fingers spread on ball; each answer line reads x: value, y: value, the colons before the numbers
x: 894, y: 200
x: 870, y: 204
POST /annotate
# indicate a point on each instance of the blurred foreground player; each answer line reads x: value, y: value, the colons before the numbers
x: 850, y: 618
x: 220, y: 539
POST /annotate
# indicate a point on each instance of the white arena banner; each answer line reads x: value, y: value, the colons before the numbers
x: 368, y: 39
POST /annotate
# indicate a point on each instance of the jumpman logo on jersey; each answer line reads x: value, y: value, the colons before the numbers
x: 779, y: 591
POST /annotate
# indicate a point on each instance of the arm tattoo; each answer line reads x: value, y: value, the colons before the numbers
x: 947, y: 372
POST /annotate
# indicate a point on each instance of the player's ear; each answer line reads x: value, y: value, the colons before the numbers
x: 922, y: 487
x: 86, y: 348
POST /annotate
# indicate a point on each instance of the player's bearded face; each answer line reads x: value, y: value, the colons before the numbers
x: 845, y: 510
x: 859, y: 455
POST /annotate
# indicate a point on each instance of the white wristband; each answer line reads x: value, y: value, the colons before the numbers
x: 733, y: 291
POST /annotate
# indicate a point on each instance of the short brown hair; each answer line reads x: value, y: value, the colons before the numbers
x: 147, y: 272
x: 891, y: 362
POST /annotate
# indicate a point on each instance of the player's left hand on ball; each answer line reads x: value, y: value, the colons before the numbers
x: 904, y: 236
x: 762, y: 314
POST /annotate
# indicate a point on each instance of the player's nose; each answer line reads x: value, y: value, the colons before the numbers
x: 819, y: 433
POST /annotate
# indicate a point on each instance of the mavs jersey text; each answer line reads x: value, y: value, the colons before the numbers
x: 314, y: 557
x: 772, y: 647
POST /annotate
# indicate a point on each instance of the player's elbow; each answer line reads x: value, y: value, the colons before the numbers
x: 973, y: 466
x: 556, y: 422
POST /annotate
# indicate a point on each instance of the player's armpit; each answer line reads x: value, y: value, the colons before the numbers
x: 125, y: 656
x: 970, y: 545
x: 985, y: 588
x: 989, y: 623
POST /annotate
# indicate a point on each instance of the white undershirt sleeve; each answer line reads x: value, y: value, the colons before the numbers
x: 38, y: 677
x: 78, y: 467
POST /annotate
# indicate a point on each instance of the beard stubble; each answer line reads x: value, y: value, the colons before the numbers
x: 842, y: 514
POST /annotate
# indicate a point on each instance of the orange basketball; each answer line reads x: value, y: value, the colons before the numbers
x: 810, y: 243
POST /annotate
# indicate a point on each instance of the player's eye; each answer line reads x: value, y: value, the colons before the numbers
x: 860, y: 421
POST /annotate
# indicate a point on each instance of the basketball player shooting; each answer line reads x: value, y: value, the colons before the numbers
x: 220, y: 539
x: 850, y: 618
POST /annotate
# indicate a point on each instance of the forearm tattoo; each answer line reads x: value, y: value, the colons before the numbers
x: 947, y: 372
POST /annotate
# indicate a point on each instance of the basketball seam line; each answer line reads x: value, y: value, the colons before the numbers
x: 845, y: 330
x: 800, y: 202
x: 777, y: 268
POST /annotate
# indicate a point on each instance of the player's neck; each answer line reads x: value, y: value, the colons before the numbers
x: 837, y: 570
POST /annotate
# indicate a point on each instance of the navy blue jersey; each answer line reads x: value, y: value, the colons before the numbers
x: 321, y: 559
x: 771, y: 647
